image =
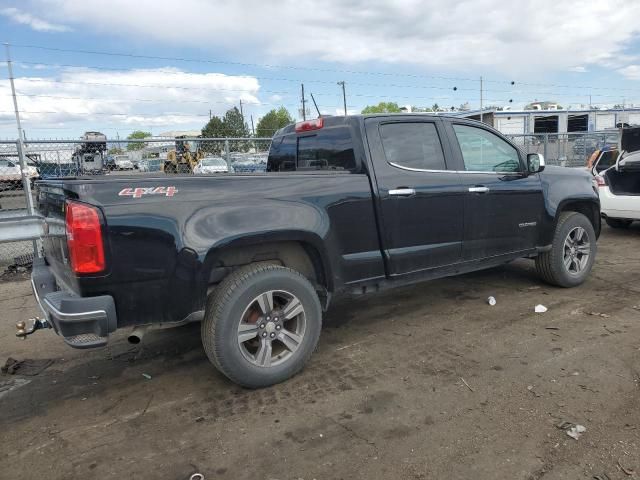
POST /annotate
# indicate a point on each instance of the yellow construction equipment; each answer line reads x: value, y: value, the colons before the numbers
x: 184, y: 158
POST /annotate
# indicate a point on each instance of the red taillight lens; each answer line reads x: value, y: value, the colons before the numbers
x: 309, y: 125
x: 84, y: 238
x: 600, y: 181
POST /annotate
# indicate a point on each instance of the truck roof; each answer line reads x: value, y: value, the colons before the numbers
x: 333, y: 121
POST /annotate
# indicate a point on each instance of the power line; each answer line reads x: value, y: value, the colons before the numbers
x: 295, y: 67
x: 242, y: 64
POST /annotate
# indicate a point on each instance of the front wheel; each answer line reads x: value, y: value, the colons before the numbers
x: 618, y: 222
x: 261, y: 325
x: 572, y: 253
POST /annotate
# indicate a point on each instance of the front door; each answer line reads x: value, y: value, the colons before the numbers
x: 419, y: 200
x: 503, y: 204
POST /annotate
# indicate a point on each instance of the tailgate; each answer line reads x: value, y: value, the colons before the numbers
x: 50, y: 203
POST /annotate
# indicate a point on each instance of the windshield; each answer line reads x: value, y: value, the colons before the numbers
x: 214, y: 162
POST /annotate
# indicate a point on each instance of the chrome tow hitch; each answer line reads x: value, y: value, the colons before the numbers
x: 30, y: 326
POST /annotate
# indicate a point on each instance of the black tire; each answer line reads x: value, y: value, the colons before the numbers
x: 225, y: 308
x: 618, y: 222
x: 551, y: 265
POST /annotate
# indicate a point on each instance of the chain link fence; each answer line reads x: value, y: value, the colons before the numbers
x: 566, y: 149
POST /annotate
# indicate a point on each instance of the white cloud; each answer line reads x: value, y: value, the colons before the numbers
x: 32, y: 21
x: 84, y: 98
x: 632, y: 72
x: 578, y: 69
x: 508, y: 36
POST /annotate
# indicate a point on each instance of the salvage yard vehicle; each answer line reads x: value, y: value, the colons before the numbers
x: 618, y: 178
x: 11, y: 173
x: 348, y: 205
x: 210, y: 165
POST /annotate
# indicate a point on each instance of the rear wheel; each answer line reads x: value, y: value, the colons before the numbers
x: 618, y: 222
x: 572, y: 253
x: 262, y: 324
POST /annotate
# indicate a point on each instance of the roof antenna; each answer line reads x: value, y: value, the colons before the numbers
x: 316, y: 105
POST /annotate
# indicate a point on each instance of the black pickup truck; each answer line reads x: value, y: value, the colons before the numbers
x: 348, y: 205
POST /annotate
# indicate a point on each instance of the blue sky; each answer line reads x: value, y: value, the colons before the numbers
x: 410, y: 52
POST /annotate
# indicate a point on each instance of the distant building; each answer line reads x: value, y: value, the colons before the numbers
x: 513, y: 122
x: 543, y: 106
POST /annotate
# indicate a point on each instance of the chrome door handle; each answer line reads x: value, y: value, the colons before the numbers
x: 478, y: 189
x: 402, y: 192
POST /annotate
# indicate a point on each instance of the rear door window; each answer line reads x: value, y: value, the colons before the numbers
x: 412, y: 145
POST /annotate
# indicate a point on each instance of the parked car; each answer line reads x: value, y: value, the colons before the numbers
x: 349, y: 205
x: 210, y: 165
x: 618, y: 179
x: 119, y: 162
x: 10, y: 173
x: 602, y: 159
x: 150, y: 165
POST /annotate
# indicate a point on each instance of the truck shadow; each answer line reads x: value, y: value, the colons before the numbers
x: 176, y: 354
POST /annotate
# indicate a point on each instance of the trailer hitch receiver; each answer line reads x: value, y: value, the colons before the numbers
x: 30, y: 326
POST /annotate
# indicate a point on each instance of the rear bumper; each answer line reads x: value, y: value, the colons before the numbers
x: 83, y: 322
x: 619, y: 206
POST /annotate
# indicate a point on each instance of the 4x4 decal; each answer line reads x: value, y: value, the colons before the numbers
x: 138, y: 192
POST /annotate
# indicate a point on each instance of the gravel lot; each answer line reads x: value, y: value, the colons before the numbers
x: 416, y: 383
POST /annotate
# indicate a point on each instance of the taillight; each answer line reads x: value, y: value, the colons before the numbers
x: 309, y: 125
x: 600, y: 181
x: 84, y: 238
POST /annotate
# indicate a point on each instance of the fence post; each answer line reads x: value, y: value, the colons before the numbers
x: 26, y: 184
x: 226, y: 154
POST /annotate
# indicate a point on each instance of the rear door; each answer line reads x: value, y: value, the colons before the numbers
x: 419, y: 200
x: 503, y: 205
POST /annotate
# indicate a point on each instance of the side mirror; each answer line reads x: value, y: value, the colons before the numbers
x: 535, y: 162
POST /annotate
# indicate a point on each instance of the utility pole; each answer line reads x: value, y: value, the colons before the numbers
x: 481, y: 95
x: 304, y: 114
x: 344, y: 96
x: 209, y: 114
x: 253, y: 130
x: 26, y: 184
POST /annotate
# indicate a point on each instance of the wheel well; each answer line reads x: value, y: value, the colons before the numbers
x: 588, y: 209
x: 299, y: 256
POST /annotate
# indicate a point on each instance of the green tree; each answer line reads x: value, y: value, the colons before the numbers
x: 272, y: 121
x: 214, y: 128
x: 234, y: 126
x: 115, y: 151
x: 382, y: 107
x: 137, y: 135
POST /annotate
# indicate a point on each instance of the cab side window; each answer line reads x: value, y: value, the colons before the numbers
x: 483, y: 151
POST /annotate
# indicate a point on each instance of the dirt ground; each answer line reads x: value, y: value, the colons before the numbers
x: 421, y: 382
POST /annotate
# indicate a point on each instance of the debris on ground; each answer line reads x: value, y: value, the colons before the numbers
x: 598, y: 314
x: 627, y: 471
x: 13, y: 384
x: 147, y: 376
x: 540, y: 309
x: 604, y: 476
x: 572, y: 429
x: 491, y: 301
x: 26, y: 367
x: 466, y: 384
